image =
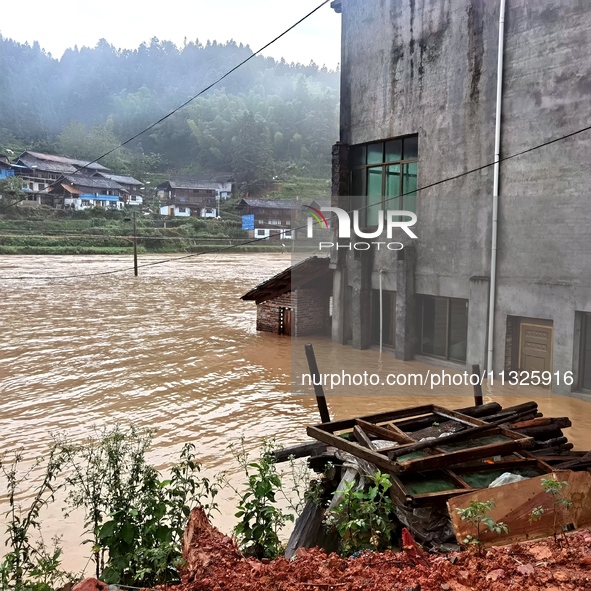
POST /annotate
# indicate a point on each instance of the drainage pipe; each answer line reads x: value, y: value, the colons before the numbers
x: 495, y: 203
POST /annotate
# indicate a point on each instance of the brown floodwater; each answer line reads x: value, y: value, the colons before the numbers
x: 175, y: 349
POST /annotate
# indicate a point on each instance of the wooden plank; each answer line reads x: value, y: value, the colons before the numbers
x: 515, y: 502
x: 447, y: 459
x: 353, y: 448
x: 303, y: 450
x: 403, y: 437
x: 393, y: 434
x: 362, y: 437
x: 383, y: 417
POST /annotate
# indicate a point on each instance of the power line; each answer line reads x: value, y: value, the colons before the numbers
x: 221, y: 250
x: 188, y: 101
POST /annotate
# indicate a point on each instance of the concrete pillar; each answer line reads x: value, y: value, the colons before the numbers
x: 339, y: 304
x: 478, y: 323
x: 405, y: 304
x: 361, y: 300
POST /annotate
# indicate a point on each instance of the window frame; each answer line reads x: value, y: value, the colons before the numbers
x: 383, y: 165
x: 448, y: 318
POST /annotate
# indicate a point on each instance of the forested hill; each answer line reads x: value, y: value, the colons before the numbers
x: 93, y: 98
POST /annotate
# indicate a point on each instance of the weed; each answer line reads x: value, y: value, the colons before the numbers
x: 259, y: 519
x: 554, y: 489
x: 363, y: 517
x: 476, y: 513
x: 29, y: 565
x: 135, y: 519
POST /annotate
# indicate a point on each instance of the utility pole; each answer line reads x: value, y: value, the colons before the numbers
x: 134, y: 245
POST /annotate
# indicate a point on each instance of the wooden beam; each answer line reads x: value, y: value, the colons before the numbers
x: 391, y: 433
x: 318, y: 389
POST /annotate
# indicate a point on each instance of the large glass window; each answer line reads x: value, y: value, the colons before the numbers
x: 443, y: 327
x: 384, y: 176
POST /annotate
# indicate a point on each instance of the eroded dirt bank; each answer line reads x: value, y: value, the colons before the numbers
x: 215, y: 564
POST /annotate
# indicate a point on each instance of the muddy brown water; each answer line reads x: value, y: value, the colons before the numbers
x: 176, y: 350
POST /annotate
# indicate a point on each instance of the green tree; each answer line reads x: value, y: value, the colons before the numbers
x: 252, y: 159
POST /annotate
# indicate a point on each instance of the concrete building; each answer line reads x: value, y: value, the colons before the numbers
x: 419, y: 106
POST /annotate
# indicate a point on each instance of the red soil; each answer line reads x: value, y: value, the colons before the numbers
x: 214, y: 563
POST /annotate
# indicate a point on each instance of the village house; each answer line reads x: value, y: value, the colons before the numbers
x: 500, y: 274
x: 80, y: 191
x: 133, y: 188
x: 38, y: 170
x: 6, y: 169
x: 297, y: 301
x: 187, y: 198
x: 266, y: 218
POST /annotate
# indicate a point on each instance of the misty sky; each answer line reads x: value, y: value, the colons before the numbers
x: 61, y: 24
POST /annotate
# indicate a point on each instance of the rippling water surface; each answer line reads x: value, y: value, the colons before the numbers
x: 175, y: 349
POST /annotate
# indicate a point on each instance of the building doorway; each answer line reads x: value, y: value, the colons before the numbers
x: 535, y: 345
x: 286, y: 321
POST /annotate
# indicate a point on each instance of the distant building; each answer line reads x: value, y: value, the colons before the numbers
x: 38, y: 170
x: 79, y: 191
x: 297, y: 301
x: 187, y: 198
x: 133, y: 188
x: 272, y: 219
x: 6, y: 169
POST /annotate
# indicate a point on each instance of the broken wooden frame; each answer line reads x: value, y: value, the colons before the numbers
x: 398, y: 459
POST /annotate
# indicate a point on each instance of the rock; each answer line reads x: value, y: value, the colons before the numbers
x: 560, y: 576
x: 526, y: 569
x: 445, y: 587
x: 91, y: 584
x: 495, y: 575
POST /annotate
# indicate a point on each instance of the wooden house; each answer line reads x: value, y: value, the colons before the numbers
x: 269, y: 218
x: 297, y: 301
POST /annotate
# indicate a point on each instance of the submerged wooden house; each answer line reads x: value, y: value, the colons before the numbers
x: 297, y: 301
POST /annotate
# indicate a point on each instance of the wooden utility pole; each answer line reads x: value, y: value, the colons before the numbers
x: 134, y: 245
x: 478, y: 386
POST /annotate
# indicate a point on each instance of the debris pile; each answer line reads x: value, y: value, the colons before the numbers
x: 214, y: 564
x: 434, y: 454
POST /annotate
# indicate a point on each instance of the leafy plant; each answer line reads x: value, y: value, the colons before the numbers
x: 260, y: 520
x: 476, y: 513
x: 26, y: 564
x: 135, y: 519
x: 363, y: 517
x: 554, y: 489
x: 536, y: 514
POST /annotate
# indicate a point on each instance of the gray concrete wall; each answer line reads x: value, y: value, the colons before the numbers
x: 429, y: 67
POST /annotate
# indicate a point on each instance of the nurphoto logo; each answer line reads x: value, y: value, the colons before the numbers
x: 391, y: 219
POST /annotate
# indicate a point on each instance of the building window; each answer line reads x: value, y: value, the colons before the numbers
x: 388, y: 324
x: 384, y: 176
x: 182, y: 209
x: 585, y: 371
x: 443, y: 327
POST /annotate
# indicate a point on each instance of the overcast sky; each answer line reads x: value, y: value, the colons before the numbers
x: 60, y: 24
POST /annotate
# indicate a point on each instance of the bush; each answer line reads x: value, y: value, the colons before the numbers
x: 135, y: 518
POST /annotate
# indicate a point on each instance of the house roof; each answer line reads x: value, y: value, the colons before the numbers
x: 93, y: 182
x: 120, y: 178
x: 268, y: 203
x: 63, y: 160
x: 321, y: 202
x: 188, y: 184
x: 305, y: 272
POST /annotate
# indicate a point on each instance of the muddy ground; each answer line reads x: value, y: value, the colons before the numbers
x: 215, y: 564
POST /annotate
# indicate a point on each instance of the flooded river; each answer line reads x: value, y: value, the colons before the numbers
x: 175, y: 349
